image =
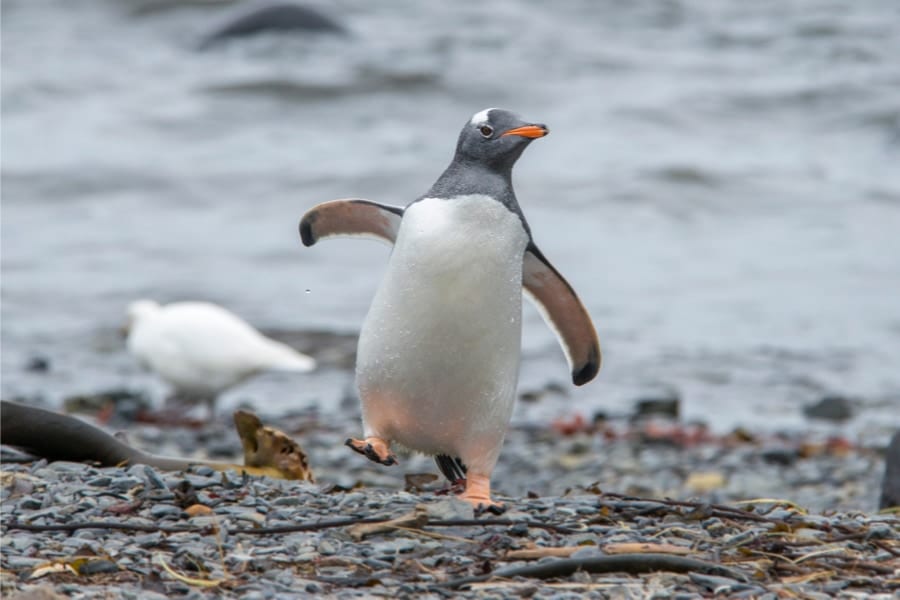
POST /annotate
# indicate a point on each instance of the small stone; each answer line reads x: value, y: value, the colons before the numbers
x: 18, y: 542
x: 664, y: 406
x: 450, y: 509
x: 378, y: 565
x: 153, y: 477
x: 830, y: 408
x: 148, y: 540
x: 205, y: 471
x: 202, y: 521
x: 101, y: 481
x: 95, y: 567
x: 250, y: 516
x: 86, y: 504
x: 326, y: 548
x: 37, y: 364
x: 124, y: 484
x: 715, y: 583
x: 161, y: 511
x: 288, y: 501
x: 30, y: 503
x: 780, y: 456
x: 23, y: 562
x: 199, y: 481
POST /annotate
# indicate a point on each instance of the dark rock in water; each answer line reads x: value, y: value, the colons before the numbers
x: 831, y: 408
x: 890, y: 486
x: 38, y: 364
x: 600, y: 417
x: 783, y: 456
x: 549, y: 388
x: 274, y: 17
x: 664, y: 406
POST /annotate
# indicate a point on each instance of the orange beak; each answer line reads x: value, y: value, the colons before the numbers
x: 529, y: 131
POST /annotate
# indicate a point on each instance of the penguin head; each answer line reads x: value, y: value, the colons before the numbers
x: 496, y: 137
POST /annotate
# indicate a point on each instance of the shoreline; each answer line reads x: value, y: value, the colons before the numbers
x: 242, y: 540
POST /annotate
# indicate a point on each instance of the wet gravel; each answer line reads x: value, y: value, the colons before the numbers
x: 589, y: 496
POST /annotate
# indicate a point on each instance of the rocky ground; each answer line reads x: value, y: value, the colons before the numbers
x: 594, y: 510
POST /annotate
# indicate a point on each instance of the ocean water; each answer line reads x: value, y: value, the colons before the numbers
x: 721, y: 185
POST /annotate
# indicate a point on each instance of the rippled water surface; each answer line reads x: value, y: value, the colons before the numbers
x: 721, y: 186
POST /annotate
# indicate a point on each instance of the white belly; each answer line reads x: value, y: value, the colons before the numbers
x: 438, y: 356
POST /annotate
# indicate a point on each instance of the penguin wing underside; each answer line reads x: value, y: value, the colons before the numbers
x: 351, y: 217
x: 564, y: 313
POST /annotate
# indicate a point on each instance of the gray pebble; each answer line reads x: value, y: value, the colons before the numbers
x: 29, y: 503
x: 86, y: 504
x: 200, y: 481
x: 23, y: 562
x: 159, y: 495
x: 326, y: 548
x: 18, y: 542
x: 250, y: 516
x: 95, y: 567
x: 204, y: 471
x: 450, y: 509
x: 288, y: 501
x: 378, y: 565
x: 124, y: 484
x: 307, y: 556
x: 154, y: 478
x: 148, y: 540
x: 161, y: 511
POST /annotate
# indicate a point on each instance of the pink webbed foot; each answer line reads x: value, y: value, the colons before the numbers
x: 478, y: 494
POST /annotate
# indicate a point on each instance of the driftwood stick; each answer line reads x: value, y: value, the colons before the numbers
x: 624, y: 563
x: 718, y: 510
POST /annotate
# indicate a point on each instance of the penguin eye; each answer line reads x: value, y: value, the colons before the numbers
x: 486, y: 130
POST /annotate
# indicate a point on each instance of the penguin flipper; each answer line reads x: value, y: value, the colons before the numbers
x: 564, y: 313
x: 351, y: 217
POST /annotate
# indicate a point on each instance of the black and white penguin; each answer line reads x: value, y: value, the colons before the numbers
x: 439, y: 351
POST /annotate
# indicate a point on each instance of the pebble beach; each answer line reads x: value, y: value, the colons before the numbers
x: 633, y: 514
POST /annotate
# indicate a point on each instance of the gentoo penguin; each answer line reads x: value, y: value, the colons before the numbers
x: 438, y: 357
x: 201, y: 349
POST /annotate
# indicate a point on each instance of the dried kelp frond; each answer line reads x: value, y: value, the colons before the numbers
x: 267, y: 447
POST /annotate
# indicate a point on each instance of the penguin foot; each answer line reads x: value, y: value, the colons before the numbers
x: 373, y: 448
x: 478, y: 494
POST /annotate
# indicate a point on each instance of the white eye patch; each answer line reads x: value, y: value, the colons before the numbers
x: 481, y: 117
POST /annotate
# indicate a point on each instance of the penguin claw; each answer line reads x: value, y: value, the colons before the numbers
x: 494, y: 509
x: 367, y: 449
